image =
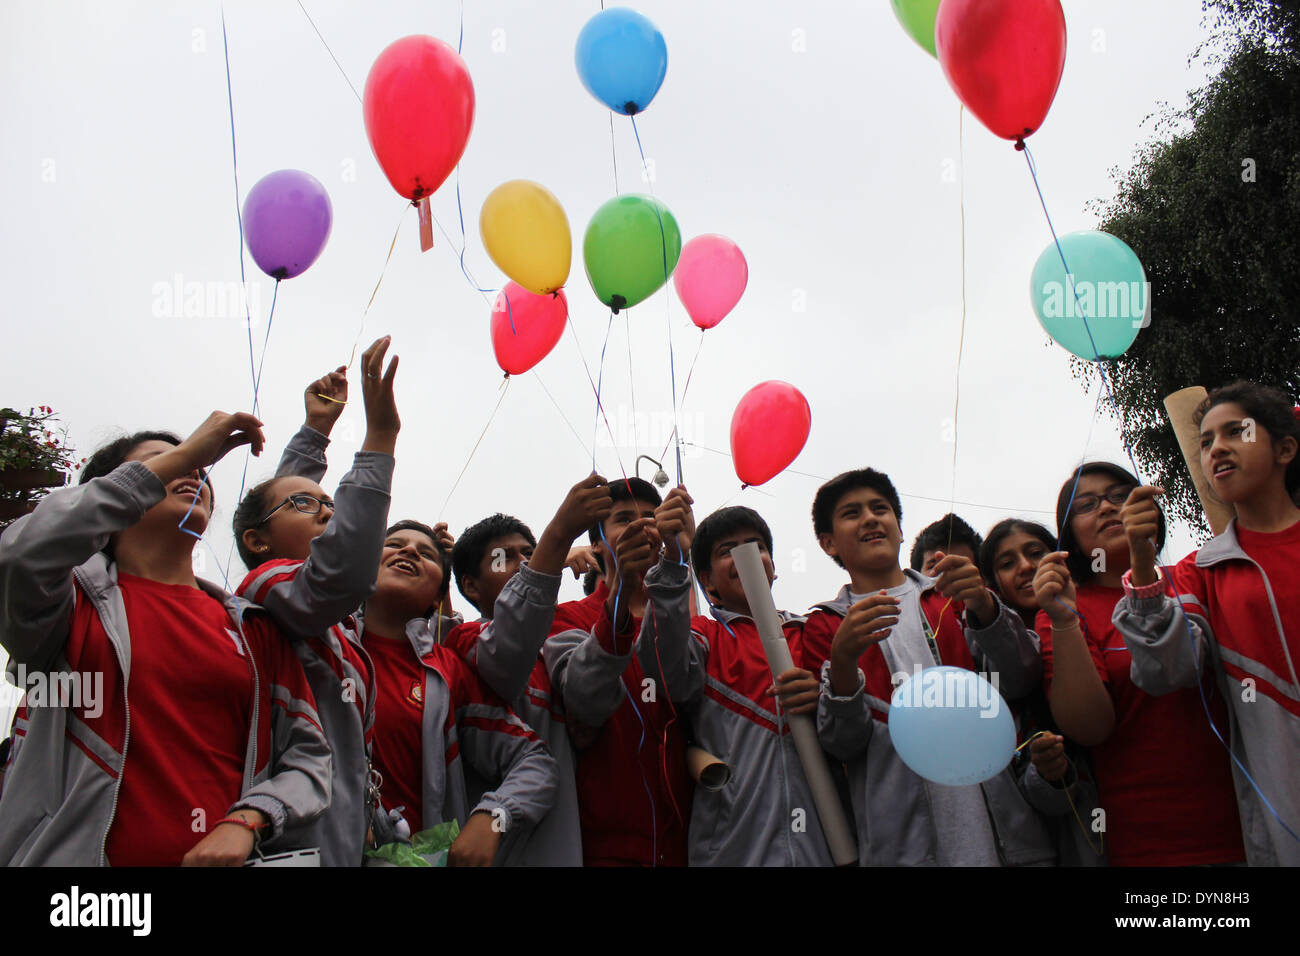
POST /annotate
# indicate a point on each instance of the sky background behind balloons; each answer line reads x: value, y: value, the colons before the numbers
x: 817, y: 135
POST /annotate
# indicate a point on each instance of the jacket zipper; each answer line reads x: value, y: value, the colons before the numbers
x: 257, y: 699
x: 104, y: 619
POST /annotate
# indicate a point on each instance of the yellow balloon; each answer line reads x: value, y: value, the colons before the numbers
x: 526, y: 233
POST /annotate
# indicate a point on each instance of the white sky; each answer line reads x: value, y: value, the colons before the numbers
x: 826, y: 166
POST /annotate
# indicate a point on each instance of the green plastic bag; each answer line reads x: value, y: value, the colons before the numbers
x: 427, y: 848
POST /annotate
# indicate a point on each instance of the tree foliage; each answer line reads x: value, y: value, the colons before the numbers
x: 1212, y: 208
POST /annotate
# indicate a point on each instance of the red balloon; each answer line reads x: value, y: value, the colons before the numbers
x: 1004, y: 59
x: 538, y: 324
x: 419, y: 107
x: 768, y: 430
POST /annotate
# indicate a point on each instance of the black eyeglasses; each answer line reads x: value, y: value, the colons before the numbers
x: 1086, y: 504
x: 307, y: 504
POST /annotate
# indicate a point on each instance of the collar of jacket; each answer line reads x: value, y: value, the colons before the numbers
x: 841, y: 603
x: 427, y: 633
x: 723, y: 616
x: 1224, y: 547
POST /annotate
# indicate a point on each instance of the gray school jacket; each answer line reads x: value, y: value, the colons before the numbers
x: 506, y: 652
x: 716, y: 673
x: 314, y: 599
x: 1264, y: 734
x: 58, y: 802
x: 891, y: 804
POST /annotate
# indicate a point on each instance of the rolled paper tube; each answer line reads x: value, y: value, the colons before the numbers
x: 705, y: 769
x: 1179, y: 406
x: 839, y: 838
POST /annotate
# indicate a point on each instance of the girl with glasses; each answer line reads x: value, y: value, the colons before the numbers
x: 1165, y: 793
x: 313, y: 562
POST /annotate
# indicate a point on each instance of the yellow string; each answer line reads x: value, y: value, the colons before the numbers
x: 328, y: 399
x: 1082, y: 827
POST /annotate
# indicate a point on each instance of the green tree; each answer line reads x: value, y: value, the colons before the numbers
x: 1212, y: 208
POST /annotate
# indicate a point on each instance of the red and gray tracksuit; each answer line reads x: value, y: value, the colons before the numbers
x: 718, y: 672
x: 66, y: 766
x: 633, y: 789
x: 313, y: 602
x: 506, y: 653
x: 1233, y: 625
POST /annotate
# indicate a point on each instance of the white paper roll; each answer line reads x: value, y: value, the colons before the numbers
x: 749, y: 563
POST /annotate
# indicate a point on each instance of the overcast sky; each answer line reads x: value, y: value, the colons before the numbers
x: 817, y: 135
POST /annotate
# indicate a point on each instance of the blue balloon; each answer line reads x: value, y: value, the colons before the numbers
x: 951, y: 726
x: 622, y: 59
x: 1097, y: 311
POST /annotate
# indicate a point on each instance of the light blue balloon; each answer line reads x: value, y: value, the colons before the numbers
x: 951, y: 726
x: 1108, y: 296
x: 622, y: 59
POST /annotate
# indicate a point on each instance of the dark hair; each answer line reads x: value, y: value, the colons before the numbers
x: 1080, y: 564
x: 721, y: 523
x: 472, y: 545
x: 255, y: 504
x: 111, y: 456
x: 443, y: 558
x: 1269, y: 407
x: 829, y: 495
x: 944, y: 533
x: 590, y: 581
x: 108, y: 458
x: 626, y: 489
x: 988, y: 551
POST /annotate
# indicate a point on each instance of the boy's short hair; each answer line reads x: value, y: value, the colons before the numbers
x: 444, y: 559
x: 721, y: 523
x: 472, y: 545
x: 943, y: 534
x: 627, y: 489
x: 828, y: 497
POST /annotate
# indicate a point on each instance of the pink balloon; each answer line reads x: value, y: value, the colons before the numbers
x: 710, y: 278
x: 538, y: 322
x: 768, y: 430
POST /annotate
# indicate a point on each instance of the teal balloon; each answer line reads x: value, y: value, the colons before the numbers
x: 951, y: 726
x: 630, y: 249
x: 1098, y: 312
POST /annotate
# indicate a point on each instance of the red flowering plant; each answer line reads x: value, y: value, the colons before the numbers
x: 35, y: 455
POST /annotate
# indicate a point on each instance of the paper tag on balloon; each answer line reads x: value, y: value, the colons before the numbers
x: 426, y: 224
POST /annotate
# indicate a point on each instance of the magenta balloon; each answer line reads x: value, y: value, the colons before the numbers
x: 287, y: 218
x: 710, y: 278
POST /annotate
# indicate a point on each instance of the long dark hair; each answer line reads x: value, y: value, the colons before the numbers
x: 1079, y: 563
x: 999, y: 533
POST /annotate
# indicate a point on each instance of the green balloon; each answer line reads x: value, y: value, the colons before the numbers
x: 917, y: 18
x: 630, y: 250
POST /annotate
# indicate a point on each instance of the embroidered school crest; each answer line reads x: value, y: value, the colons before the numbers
x: 416, y: 694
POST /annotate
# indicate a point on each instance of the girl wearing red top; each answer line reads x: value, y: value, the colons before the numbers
x: 1233, y: 611
x: 198, y: 734
x: 1165, y: 791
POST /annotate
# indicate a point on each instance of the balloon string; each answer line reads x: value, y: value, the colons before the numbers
x: 631, y: 383
x: 501, y: 396
x: 382, y: 272
x: 565, y: 417
x: 685, y: 388
x: 266, y: 339
x: 961, y: 337
x: 328, y: 50
x: 600, y: 379
x: 1099, y: 850
x: 663, y: 250
x: 568, y: 318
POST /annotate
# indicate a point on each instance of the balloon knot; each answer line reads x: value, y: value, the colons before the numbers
x: 1020, y: 144
x: 617, y: 302
x: 630, y: 108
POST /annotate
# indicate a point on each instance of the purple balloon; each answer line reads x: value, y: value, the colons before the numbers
x: 287, y: 218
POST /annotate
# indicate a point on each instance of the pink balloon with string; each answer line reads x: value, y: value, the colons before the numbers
x: 710, y: 278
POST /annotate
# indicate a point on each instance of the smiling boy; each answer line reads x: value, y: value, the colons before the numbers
x: 887, y: 624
